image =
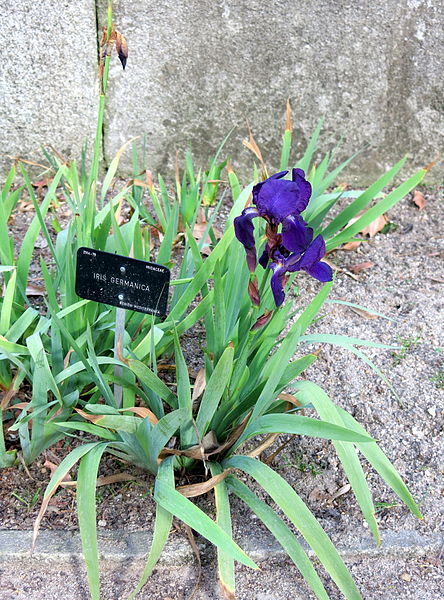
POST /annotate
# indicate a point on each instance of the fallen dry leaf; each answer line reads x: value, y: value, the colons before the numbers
x: 199, y: 385
x: 340, y: 492
x: 52, y: 467
x: 361, y: 267
x: 351, y: 245
x: 375, y: 226
x: 34, y: 290
x: 419, y: 199
x: 363, y: 313
x: 197, y: 489
x: 105, y: 479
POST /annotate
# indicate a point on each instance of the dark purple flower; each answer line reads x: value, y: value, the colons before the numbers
x: 290, y: 246
x: 277, y: 200
x: 309, y: 261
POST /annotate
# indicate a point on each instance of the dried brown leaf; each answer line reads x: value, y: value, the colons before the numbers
x: 419, y: 199
x: 363, y: 313
x: 361, y: 267
x: 199, y: 385
x: 288, y: 124
x: 269, y: 441
x: 351, y: 245
x: 35, y: 290
x: 104, y: 480
x: 340, y: 492
x: 375, y: 226
x: 52, y: 467
x: 9, y: 394
x: 289, y: 398
x: 197, y: 489
x: 141, y: 411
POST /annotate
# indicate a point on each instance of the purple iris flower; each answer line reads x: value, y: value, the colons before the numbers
x: 308, y: 261
x: 280, y: 202
x: 276, y: 200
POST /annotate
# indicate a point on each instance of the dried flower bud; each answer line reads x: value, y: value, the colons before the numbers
x: 122, y: 48
x: 253, y: 291
x: 263, y: 320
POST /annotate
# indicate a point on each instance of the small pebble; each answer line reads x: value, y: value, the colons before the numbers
x: 406, y: 577
x: 432, y: 411
x: 101, y: 523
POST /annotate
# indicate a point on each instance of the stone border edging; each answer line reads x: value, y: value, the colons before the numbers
x: 118, y: 545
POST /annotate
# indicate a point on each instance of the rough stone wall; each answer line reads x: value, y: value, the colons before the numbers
x: 48, y: 87
x: 197, y: 68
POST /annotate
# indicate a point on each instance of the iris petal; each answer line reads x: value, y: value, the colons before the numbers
x: 298, y: 176
x: 277, y: 283
x: 244, y: 230
x: 320, y: 271
x: 296, y: 236
x: 277, y: 198
x: 265, y: 257
x: 258, y: 186
x: 314, y: 253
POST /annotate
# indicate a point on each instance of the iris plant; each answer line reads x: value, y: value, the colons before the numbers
x: 290, y: 245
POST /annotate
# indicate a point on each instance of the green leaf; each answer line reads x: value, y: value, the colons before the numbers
x: 162, y: 528
x: 150, y: 379
x: 361, y: 202
x: 153, y: 438
x: 311, y: 393
x: 8, y: 299
x: 372, y: 213
x: 86, y: 512
x: 187, y: 432
x: 88, y: 427
x: 189, y: 513
x: 310, y: 312
x: 282, y: 533
x: 225, y: 561
x: 299, y: 425
x: 214, y: 390
x: 381, y: 464
x: 202, y: 276
x: 298, y: 513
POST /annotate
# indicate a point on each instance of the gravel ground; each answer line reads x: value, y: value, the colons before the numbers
x: 405, y: 283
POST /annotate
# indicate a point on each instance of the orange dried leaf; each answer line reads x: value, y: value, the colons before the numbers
x: 143, y: 412
x: 419, y: 199
x: 351, y: 245
x: 375, y: 226
x: 288, y: 124
x: 361, y: 267
x: 363, y: 313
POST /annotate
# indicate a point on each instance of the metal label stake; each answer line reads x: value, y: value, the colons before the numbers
x: 118, y: 349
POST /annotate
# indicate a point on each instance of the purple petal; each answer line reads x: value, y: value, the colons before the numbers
x: 298, y: 176
x: 244, y: 230
x: 296, y: 236
x: 265, y: 257
x: 243, y: 227
x: 257, y: 187
x: 277, y: 283
x: 277, y: 198
x: 320, y: 271
x: 313, y: 254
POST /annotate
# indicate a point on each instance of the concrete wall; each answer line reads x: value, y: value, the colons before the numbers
x: 196, y: 68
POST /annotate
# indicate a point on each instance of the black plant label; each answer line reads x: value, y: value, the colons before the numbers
x: 121, y: 281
